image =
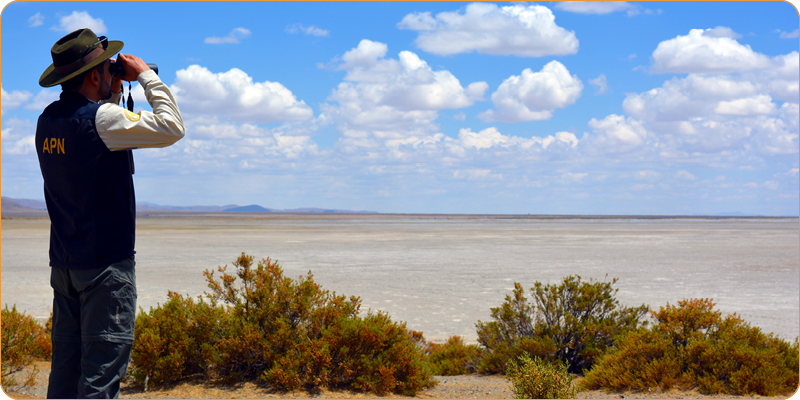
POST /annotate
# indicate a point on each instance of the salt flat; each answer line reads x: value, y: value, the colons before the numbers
x: 441, y: 275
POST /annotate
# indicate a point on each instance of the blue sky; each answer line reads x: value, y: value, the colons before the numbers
x: 444, y: 107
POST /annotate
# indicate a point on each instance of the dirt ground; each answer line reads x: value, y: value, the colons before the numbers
x: 473, y: 386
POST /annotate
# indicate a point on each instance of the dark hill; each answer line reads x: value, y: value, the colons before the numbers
x: 250, y: 208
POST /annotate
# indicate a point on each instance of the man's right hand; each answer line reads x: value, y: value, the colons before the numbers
x: 133, y: 66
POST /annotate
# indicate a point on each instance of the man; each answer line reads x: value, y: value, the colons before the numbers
x: 83, y: 141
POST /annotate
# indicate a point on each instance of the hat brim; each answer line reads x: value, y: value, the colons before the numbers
x: 51, y: 78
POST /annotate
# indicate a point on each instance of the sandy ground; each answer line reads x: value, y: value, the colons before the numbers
x: 449, y: 387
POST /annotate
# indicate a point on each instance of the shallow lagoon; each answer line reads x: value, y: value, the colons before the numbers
x: 443, y: 275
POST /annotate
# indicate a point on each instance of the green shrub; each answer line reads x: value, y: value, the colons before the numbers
x: 694, y: 346
x: 539, y: 379
x: 23, y: 341
x: 573, y: 322
x: 454, y: 357
x: 177, y: 340
x: 288, y: 334
x: 640, y: 360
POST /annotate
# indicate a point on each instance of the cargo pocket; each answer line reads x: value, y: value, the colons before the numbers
x: 122, y: 311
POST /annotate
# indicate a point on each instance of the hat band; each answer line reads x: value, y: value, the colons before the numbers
x: 74, y: 66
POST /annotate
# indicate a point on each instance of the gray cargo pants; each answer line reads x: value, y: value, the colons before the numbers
x: 93, y: 322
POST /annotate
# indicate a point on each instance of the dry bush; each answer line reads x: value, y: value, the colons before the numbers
x: 573, y: 322
x: 694, y: 346
x: 454, y: 357
x: 539, y: 379
x: 23, y: 341
x: 177, y: 340
x: 261, y: 325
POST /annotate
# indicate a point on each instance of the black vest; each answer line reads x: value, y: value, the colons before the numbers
x: 88, y: 188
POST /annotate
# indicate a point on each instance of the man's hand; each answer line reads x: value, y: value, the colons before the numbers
x: 133, y: 66
x: 116, y: 82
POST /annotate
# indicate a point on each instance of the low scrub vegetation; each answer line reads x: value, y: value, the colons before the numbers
x: 539, y: 379
x: 23, y: 341
x: 453, y: 357
x: 693, y: 346
x: 289, y: 334
x: 255, y: 324
x: 573, y: 322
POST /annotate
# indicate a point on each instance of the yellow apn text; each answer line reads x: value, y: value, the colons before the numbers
x: 53, y: 145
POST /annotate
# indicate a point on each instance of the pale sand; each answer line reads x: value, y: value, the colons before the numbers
x: 443, y: 275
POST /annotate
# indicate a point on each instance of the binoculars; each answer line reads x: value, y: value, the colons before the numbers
x: 116, y: 68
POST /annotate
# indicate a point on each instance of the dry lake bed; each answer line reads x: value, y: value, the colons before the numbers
x: 441, y: 274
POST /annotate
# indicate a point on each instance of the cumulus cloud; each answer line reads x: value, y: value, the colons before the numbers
x: 79, y: 20
x: 732, y: 95
x: 756, y: 105
x: 533, y: 96
x: 308, y: 30
x: 42, y: 99
x: 721, y: 32
x: 600, y: 83
x: 520, y: 30
x: 36, y: 20
x: 13, y: 99
x: 491, y: 137
x: 706, y: 51
x: 617, y: 134
x: 476, y: 174
x: 393, y: 98
x: 18, y: 137
x: 233, y: 94
x: 236, y: 35
x: 594, y: 7
x: 683, y: 174
x: 788, y: 35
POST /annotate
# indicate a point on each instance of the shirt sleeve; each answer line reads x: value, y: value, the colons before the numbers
x: 121, y: 129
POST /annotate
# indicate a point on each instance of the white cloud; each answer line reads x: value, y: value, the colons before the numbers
x: 717, y: 111
x: 43, y: 99
x: 534, y: 96
x: 393, y: 98
x: 236, y: 35
x: 594, y: 7
x: 704, y: 51
x: 778, y: 135
x: 521, y: 30
x: 13, y: 99
x: 36, y: 20
x: 365, y: 57
x: 79, y: 20
x: 308, y: 30
x: 616, y: 134
x: 477, y: 174
x: 761, y: 104
x: 647, y: 175
x: 601, y: 83
x: 683, y: 174
x: 25, y: 145
x: 771, y: 185
x: 18, y: 137
x: 789, y: 35
x: 573, y: 176
x: 233, y: 94
x: 722, y: 32
x: 492, y: 138
x: 781, y: 79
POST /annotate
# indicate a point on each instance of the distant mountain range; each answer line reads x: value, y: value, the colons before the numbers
x: 37, y: 208
x: 34, y: 207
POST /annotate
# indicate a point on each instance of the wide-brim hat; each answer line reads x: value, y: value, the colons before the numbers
x: 77, y: 53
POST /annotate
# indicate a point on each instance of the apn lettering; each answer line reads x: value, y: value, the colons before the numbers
x: 53, y: 145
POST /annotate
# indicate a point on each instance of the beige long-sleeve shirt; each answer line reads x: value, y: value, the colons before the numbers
x: 121, y: 129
